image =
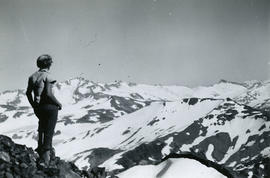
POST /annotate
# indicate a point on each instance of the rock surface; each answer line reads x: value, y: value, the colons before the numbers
x: 19, y: 161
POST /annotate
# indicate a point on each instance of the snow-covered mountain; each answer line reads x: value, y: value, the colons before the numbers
x: 126, y: 126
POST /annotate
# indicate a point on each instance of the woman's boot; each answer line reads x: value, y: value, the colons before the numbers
x: 46, y: 157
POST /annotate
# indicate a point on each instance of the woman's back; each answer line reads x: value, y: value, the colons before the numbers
x: 38, y: 80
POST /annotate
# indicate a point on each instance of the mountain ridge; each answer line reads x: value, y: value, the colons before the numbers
x: 171, y: 120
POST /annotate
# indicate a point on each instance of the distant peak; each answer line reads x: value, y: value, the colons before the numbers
x: 247, y: 84
x: 231, y: 82
x: 78, y: 78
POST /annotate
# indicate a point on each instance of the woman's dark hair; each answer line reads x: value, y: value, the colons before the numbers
x: 44, y: 61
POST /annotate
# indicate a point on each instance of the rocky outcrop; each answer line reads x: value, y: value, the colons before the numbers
x: 19, y: 161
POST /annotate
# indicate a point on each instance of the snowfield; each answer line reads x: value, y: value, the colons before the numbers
x: 130, y: 129
x: 172, y: 168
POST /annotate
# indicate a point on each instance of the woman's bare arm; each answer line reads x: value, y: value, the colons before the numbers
x: 29, y: 93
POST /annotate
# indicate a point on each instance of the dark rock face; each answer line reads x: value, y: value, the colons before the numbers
x: 8, y: 107
x: 127, y: 105
x: 3, y: 117
x: 17, y: 114
x: 153, y: 121
x: 98, y: 155
x: 191, y: 101
x: 103, y: 115
x: 19, y: 161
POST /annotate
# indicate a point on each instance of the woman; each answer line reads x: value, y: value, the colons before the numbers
x: 45, y: 105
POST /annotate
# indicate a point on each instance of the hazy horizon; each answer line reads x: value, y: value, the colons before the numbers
x: 174, y: 42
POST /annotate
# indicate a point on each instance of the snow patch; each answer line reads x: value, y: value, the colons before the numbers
x: 166, y: 150
x: 172, y: 168
x: 209, y: 152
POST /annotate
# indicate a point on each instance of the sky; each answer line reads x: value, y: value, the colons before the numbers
x: 168, y: 42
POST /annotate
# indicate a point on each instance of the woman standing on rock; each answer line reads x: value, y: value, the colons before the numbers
x: 45, y: 105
